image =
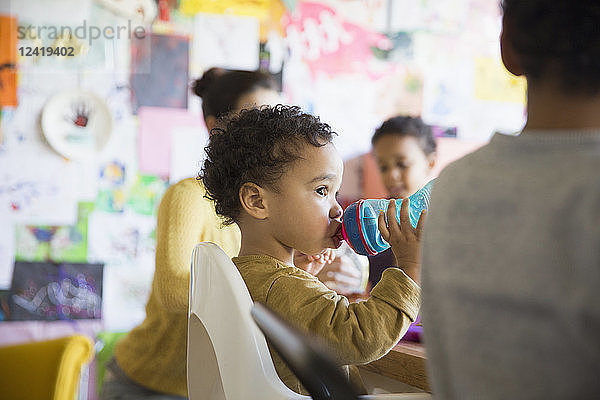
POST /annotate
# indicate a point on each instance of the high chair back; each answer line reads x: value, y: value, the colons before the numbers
x: 228, y: 357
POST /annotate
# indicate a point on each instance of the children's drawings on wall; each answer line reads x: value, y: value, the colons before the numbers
x: 399, y: 92
x: 32, y: 194
x: 255, y: 8
x: 226, y: 41
x: 126, y: 291
x: 49, y: 291
x: 145, y: 194
x: 77, y: 124
x: 160, y: 72
x: 154, y: 140
x: 54, y: 243
x: 7, y: 252
x: 124, y: 239
x: 8, y: 61
x: 140, y: 11
x: 346, y: 61
x: 111, y: 189
x: 33, y: 242
x: 54, y: 46
x: 18, y: 126
x: 349, y: 114
x: 493, y: 82
x: 140, y: 194
x: 331, y: 45
x: 440, y: 105
x: 187, y: 153
x: 440, y: 16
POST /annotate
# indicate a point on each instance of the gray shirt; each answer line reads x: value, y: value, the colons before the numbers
x: 511, y: 270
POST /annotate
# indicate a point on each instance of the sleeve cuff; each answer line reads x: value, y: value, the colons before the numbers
x: 397, y: 289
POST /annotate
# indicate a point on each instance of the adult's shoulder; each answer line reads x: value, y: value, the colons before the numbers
x: 481, y: 155
x: 186, y: 193
x: 455, y: 175
x: 187, y: 185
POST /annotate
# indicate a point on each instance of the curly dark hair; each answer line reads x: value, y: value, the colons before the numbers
x: 221, y: 89
x: 408, y: 126
x: 256, y: 145
x: 558, y: 37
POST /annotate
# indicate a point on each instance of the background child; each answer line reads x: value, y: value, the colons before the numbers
x: 405, y: 151
x: 511, y: 247
x: 275, y: 172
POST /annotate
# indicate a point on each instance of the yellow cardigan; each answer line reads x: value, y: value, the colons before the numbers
x: 154, y: 353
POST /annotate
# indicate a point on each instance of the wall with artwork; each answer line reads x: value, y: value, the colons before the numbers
x: 90, y: 139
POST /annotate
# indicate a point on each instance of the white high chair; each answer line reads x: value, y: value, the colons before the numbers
x: 227, y: 354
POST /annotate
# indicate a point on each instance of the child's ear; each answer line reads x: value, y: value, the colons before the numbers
x: 253, y: 200
x: 510, y: 58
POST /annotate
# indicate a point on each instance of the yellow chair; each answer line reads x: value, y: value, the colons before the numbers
x: 46, y: 370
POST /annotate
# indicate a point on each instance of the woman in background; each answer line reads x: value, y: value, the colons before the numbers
x: 405, y: 151
x: 150, y: 361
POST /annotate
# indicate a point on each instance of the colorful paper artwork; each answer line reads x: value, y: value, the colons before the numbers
x: 226, y: 41
x: 111, y: 192
x: 399, y: 93
x: 493, y: 82
x: 444, y: 100
x: 33, y: 195
x: 8, y: 61
x: 4, y: 308
x: 123, y: 239
x: 145, y: 194
x: 47, y: 291
x: 126, y: 291
x: 117, y: 194
x: 160, y: 71
x: 155, y: 135
x: 77, y: 124
x: 330, y: 44
x: 54, y: 243
x: 7, y: 252
x: 443, y: 16
x: 255, y: 8
x: 187, y: 153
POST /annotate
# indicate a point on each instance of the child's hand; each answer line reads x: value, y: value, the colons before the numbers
x: 313, y: 264
x: 404, y: 239
x: 341, y: 275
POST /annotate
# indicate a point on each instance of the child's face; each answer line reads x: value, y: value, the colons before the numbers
x: 403, y: 165
x: 304, y: 214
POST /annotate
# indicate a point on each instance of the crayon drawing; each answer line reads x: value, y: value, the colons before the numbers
x: 165, y: 84
x: 47, y: 291
x: 54, y: 243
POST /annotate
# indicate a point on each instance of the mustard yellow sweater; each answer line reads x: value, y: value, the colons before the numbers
x: 154, y: 353
x: 359, y: 332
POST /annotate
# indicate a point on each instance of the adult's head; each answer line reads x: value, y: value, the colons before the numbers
x: 405, y: 150
x: 223, y: 91
x: 553, y: 42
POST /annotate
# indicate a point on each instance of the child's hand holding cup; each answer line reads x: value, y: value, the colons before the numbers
x: 403, y: 238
